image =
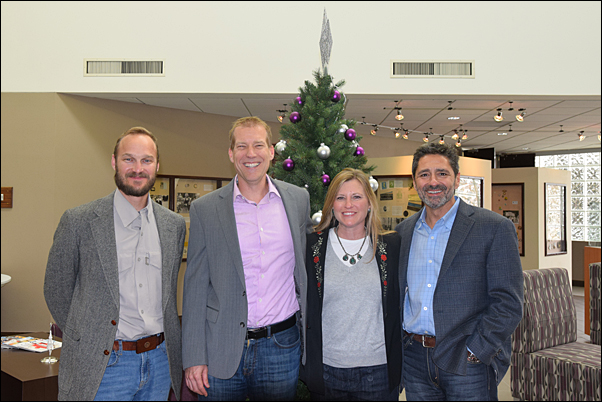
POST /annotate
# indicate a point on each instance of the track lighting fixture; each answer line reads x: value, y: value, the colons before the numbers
x: 581, y: 136
x: 398, y: 116
x: 458, y: 144
x: 441, y: 140
x: 405, y: 135
x: 455, y: 136
x: 374, y: 130
x: 464, y: 135
x: 397, y: 133
x: 498, y: 117
x: 281, y: 116
x: 561, y: 130
x: 521, y: 117
x: 426, y: 137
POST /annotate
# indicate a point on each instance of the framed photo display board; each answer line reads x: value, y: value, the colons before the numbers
x: 555, y: 218
x: 397, y: 199
x: 471, y: 190
x: 178, y: 192
x: 508, y: 200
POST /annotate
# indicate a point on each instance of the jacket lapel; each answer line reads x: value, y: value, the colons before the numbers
x: 381, y: 261
x: 319, y: 255
x: 225, y: 214
x: 103, y: 232
x: 168, y: 240
x: 290, y: 207
x: 462, y: 225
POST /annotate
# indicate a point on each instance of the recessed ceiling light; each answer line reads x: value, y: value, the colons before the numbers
x: 502, y: 133
x: 524, y: 149
x: 453, y: 118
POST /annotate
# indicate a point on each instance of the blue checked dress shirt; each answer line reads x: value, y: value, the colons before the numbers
x: 426, y: 255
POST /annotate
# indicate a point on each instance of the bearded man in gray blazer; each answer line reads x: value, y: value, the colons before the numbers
x: 462, y: 275
x: 245, y: 287
x: 111, y: 284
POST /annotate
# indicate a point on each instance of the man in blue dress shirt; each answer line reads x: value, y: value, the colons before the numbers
x: 461, y: 271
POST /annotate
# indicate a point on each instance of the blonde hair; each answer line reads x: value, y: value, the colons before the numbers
x: 251, y: 121
x: 373, y: 224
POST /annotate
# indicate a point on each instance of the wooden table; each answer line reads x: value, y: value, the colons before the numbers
x: 590, y: 255
x: 25, y: 378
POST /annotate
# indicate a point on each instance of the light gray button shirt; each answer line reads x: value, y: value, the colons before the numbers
x: 139, y: 261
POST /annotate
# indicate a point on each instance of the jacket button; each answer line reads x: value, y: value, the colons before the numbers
x: 242, y: 324
x: 244, y: 293
x: 113, y: 322
x: 106, y: 352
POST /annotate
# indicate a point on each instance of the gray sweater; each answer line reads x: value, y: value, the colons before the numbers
x: 352, y: 318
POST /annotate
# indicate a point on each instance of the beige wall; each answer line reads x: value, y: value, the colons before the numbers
x: 534, y: 214
x: 56, y: 153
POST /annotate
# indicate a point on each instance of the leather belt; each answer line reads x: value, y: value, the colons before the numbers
x: 425, y: 340
x: 141, y: 345
x: 257, y: 333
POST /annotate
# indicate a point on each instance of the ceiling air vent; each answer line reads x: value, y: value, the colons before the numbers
x: 432, y: 69
x: 123, y: 68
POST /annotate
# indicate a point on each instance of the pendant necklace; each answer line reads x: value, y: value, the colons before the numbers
x: 347, y: 256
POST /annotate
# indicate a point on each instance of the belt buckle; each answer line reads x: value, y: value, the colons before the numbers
x: 424, y: 345
x: 145, y: 344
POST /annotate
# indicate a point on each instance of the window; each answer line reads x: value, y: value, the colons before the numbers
x: 584, y: 192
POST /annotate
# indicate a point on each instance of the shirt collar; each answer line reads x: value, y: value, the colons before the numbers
x: 238, y: 195
x: 126, y: 211
x: 447, y: 220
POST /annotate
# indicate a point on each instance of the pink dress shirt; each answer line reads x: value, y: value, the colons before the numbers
x: 268, y: 257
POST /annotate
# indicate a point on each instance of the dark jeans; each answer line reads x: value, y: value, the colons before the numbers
x: 356, y: 384
x: 268, y: 371
x: 424, y: 381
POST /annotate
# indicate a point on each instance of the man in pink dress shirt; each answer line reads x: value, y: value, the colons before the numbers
x: 245, y: 283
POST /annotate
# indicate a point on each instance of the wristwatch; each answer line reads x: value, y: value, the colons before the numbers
x: 472, y: 358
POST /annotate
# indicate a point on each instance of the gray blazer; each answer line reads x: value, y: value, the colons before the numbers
x: 214, y: 313
x: 478, y: 300
x: 81, y: 288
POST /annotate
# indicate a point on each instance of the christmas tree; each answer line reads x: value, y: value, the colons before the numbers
x: 318, y: 142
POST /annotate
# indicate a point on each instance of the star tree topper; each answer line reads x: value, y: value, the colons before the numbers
x: 325, y: 41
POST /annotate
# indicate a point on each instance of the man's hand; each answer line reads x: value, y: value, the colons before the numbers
x: 197, y: 379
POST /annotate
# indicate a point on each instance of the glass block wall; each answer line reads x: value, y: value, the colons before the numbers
x: 584, y: 192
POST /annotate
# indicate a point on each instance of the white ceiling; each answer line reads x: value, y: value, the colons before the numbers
x: 539, y: 133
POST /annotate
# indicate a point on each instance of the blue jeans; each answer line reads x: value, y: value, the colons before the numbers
x: 424, y: 381
x: 356, y: 384
x: 136, y: 377
x: 268, y: 370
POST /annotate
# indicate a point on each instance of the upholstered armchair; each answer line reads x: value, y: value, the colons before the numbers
x: 594, y: 302
x: 547, y: 363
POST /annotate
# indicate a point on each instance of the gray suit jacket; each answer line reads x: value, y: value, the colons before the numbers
x: 214, y: 313
x: 479, y: 295
x: 82, y: 292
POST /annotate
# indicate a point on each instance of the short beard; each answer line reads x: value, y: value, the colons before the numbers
x: 448, y: 194
x: 132, y: 191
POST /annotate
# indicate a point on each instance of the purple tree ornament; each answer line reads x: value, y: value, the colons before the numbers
x: 295, y: 117
x: 359, y: 151
x: 336, y: 96
x: 325, y: 179
x: 299, y: 101
x: 350, y: 134
x: 288, y: 164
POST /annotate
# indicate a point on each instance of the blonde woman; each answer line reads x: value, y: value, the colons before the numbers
x: 353, y: 321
